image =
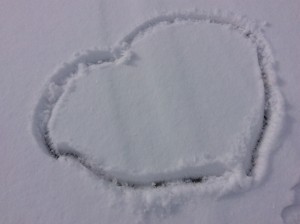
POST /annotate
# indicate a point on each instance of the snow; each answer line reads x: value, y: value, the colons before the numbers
x: 163, y: 117
x: 41, y: 80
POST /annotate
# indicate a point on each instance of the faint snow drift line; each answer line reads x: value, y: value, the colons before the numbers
x: 291, y: 213
x: 61, y: 77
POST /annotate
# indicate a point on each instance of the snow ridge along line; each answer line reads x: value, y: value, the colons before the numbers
x: 272, y: 111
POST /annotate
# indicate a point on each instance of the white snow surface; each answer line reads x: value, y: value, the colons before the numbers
x: 42, y: 85
x: 177, y: 111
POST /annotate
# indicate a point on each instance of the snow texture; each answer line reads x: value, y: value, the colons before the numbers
x: 45, y: 180
x: 291, y: 213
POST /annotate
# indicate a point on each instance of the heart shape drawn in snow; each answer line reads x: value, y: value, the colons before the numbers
x: 183, y: 98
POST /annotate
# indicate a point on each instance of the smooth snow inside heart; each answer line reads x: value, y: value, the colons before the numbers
x: 181, y: 105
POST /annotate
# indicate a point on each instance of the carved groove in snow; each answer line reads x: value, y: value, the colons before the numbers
x: 68, y: 71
